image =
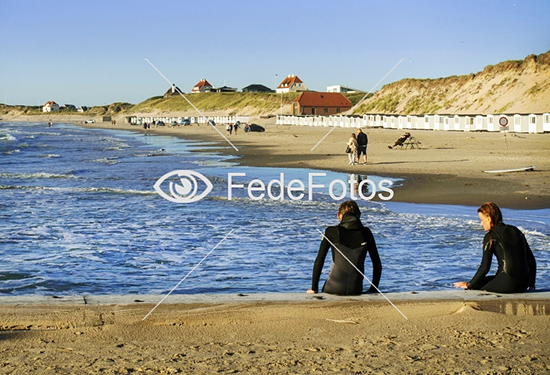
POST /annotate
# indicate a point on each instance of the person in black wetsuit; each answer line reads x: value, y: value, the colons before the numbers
x: 517, y: 267
x: 355, y: 241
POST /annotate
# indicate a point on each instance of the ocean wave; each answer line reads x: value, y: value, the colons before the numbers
x: 49, y: 156
x: 6, y: 137
x: 109, y: 161
x: 11, y: 152
x: 79, y: 189
x: 35, y: 175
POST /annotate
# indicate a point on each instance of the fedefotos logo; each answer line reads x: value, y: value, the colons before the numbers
x: 182, y: 187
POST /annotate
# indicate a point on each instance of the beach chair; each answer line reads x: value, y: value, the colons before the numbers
x: 411, y: 142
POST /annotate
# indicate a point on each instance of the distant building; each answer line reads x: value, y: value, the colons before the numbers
x: 224, y: 89
x: 320, y: 104
x: 174, y: 90
x: 339, y: 88
x: 256, y: 88
x: 82, y: 109
x: 291, y: 84
x: 202, y: 86
x: 50, y: 107
x: 68, y: 107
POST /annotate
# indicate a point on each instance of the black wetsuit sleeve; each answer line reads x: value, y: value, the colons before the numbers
x: 532, y: 265
x: 375, y: 259
x: 485, y: 265
x: 320, y: 261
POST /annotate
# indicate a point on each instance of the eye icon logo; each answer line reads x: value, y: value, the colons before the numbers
x: 182, y: 186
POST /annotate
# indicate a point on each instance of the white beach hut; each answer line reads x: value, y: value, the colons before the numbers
x: 428, y: 122
x: 456, y: 122
x: 364, y: 122
x: 316, y: 121
x: 409, y: 122
x: 392, y: 122
x: 521, y: 124
x: 535, y: 123
x: 480, y: 123
x: 401, y: 120
x: 331, y: 120
x: 418, y: 122
x: 468, y: 123
x: 378, y: 121
x: 439, y: 122
x: 447, y: 122
x: 546, y: 122
x: 385, y: 122
x: 491, y: 125
x: 372, y: 121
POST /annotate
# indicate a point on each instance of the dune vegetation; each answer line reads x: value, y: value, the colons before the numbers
x: 519, y: 86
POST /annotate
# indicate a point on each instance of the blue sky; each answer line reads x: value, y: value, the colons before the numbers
x: 93, y: 52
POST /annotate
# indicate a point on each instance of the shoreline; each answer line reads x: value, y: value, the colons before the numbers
x: 147, y: 301
x: 447, y: 169
x: 426, y: 180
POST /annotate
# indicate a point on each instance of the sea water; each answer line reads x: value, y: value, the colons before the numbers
x: 79, y: 215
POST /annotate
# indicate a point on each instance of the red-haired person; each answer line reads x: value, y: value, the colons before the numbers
x: 516, y: 264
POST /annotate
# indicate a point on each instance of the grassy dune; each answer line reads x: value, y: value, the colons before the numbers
x: 521, y: 86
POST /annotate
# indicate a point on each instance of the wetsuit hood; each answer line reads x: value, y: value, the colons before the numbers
x: 351, y: 222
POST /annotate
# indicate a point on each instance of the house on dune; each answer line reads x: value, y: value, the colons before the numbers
x: 291, y: 84
x: 320, y: 104
x: 202, y: 86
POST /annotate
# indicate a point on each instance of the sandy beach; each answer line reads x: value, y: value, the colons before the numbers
x: 446, y: 333
x: 447, y: 169
x: 461, y: 332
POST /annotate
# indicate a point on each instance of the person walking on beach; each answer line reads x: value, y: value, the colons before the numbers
x: 354, y: 241
x: 517, y: 267
x: 229, y: 128
x: 362, y: 141
x: 236, y: 126
x: 352, y: 149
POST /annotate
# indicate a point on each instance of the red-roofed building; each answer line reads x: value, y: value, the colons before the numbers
x: 291, y: 84
x: 50, y: 106
x: 202, y: 86
x: 320, y: 104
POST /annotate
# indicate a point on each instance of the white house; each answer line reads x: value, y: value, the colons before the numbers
x: 339, y: 88
x: 291, y: 84
x: 202, y: 86
x: 50, y: 107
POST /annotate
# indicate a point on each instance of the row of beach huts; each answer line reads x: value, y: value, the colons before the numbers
x: 516, y: 123
x: 179, y: 120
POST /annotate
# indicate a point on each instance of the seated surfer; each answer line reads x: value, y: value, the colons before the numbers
x: 401, y: 140
x: 516, y: 264
x: 354, y: 240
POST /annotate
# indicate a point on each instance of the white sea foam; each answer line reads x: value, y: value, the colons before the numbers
x: 35, y: 175
x: 6, y: 137
x: 49, y: 156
